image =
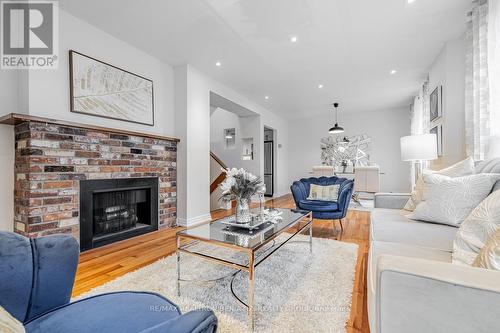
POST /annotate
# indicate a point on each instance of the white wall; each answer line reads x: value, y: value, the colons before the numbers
x: 9, y: 99
x: 9, y: 91
x: 220, y: 120
x: 384, y: 127
x: 448, y: 70
x: 45, y: 93
x: 7, y: 179
x: 192, y: 127
x: 254, y: 127
x: 245, y: 127
x: 49, y: 89
x: 181, y: 108
x: 251, y: 128
x: 193, y: 116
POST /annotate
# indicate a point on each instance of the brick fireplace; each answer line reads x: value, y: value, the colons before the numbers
x: 53, y: 157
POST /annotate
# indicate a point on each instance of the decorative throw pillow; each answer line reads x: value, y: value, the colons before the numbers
x: 9, y: 324
x: 324, y: 193
x: 459, y: 169
x: 489, y: 257
x: 477, y: 228
x: 462, y: 168
x: 448, y: 200
x: 416, y: 195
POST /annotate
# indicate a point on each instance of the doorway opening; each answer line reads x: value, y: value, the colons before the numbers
x: 269, y: 160
x: 235, y: 134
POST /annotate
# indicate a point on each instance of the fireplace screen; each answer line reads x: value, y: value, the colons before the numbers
x: 116, y: 209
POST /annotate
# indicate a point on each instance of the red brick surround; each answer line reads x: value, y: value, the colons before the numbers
x: 51, y: 159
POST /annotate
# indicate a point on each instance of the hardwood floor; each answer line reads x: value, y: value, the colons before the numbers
x: 109, y: 262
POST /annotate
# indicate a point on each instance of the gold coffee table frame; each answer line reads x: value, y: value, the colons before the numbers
x: 302, y: 223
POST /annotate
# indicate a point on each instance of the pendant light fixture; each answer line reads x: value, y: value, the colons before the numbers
x: 336, y: 129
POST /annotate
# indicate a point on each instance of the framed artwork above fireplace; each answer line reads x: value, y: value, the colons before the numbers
x: 100, y: 89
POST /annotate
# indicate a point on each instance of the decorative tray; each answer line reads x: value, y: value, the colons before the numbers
x: 254, y: 224
x: 268, y: 216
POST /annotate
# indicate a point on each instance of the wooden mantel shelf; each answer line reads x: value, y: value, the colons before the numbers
x: 18, y: 118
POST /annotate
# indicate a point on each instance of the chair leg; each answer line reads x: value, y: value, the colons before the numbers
x: 341, y: 226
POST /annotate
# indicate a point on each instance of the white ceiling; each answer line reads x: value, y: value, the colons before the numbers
x: 349, y: 46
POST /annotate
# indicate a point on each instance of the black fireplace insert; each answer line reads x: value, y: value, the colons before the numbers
x: 116, y: 209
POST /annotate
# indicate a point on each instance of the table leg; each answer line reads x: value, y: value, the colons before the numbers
x: 311, y: 237
x: 178, y: 264
x: 251, y: 290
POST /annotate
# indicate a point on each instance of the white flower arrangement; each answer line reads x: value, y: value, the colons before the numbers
x: 240, y: 184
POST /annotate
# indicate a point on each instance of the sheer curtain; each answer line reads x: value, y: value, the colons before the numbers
x: 481, y: 78
x: 494, y: 64
x: 419, y: 112
x: 419, y: 120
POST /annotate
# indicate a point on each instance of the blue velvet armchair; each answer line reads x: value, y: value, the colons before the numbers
x: 36, y: 280
x: 323, y: 210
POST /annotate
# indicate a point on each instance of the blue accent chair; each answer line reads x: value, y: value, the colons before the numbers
x: 324, y: 210
x: 36, y: 280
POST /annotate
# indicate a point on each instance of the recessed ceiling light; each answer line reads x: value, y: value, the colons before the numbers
x: 293, y: 39
x: 393, y: 71
x: 266, y: 97
x: 320, y: 86
x: 411, y: 1
x: 218, y: 64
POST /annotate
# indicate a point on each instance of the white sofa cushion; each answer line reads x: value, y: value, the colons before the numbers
x: 462, y: 168
x: 418, y: 295
x: 477, y: 228
x: 391, y: 225
x: 488, y: 166
x: 450, y: 200
x: 377, y: 249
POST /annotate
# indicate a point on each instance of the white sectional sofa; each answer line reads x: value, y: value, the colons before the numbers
x: 412, y: 284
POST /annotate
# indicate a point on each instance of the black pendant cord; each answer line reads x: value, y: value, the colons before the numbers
x: 336, y: 116
x: 336, y: 105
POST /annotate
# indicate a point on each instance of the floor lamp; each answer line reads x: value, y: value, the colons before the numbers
x: 418, y: 148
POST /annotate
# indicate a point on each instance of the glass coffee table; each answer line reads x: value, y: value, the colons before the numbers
x: 245, y: 240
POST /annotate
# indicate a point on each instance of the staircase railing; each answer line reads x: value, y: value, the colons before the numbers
x: 218, y: 160
x: 220, y: 178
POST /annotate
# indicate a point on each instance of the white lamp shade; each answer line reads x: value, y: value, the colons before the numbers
x: 419, y: 147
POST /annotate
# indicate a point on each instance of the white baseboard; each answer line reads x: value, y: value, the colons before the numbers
x: 193, y: 221
x: 277, y: 195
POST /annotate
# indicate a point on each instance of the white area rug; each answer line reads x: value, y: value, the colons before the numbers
x: 364, y: 205
x: 294, y: 289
